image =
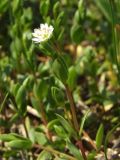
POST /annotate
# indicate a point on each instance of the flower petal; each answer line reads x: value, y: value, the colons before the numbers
x: 43, y: 33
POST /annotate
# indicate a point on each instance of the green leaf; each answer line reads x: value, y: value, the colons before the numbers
x: 80, y: 13
x: 18, y: 136
x: 47, y: 49
x: 72, y: 77
x: 4, y: 6
x: 40, y: 89
x: 7, y: 137
x: 83, y: 122
x: 40, y: 138
x: 52, y: 123
x: 36, y: 104
x: 91, y: 155
x: 18, y: 45
x: 60, y: 69
x: 60, y: 132
x: 104, y: 6
x: 20, y: 144
x: 14, y: 88
x: 77, y: 17
x: 10, y: 153
x: 58, y: 158
x: 56, y: 9
x: 60, y: 18
x: 44, y: 7
x: 99, y: 136
x: 74, y: 151
x: 67, y: 126
x: 44, y: 155
x: 81, y: 8
x: 21, y: 95
x: 3, y: 103
x: 77, y: 33
x: 30, y: 130
x: 80, y: 4
x: 14, y: 118
x: 15, y: 5
x: 107, y: 138
x: 58, y: 95
x: 10, y: 137
x: 61, y: 34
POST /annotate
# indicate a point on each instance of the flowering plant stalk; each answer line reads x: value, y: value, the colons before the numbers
x: 58, y: 83
x: 41, y: 36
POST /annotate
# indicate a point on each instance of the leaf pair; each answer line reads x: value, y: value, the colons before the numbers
x: 16, y: 141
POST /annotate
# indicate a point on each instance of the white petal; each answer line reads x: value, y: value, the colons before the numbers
x: 41, y: 26
x: 36, y: 30
x: 36, y: 40
x: 43, y: 33
x: 35, y: 34
x: 51, y: 28
x: 46, y: 25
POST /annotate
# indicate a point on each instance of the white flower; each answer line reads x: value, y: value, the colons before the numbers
x: 43, y: 33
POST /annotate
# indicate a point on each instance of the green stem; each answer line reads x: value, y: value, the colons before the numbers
x: 116, y: 47
x: 44, y: 119
x: 53, y: 151
x: 74, y: 116
x: 67, y: 114
x: 72, y: 107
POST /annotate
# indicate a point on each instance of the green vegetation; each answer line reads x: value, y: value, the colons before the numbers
x: 59, y: 97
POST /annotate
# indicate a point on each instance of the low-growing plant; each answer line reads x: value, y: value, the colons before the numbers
x: 58, y: 85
